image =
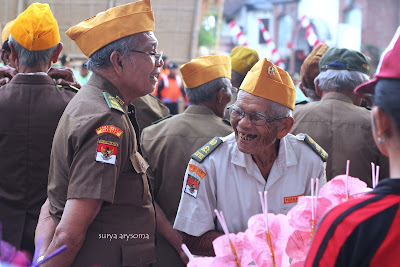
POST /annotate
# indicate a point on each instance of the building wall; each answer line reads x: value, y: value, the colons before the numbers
x: 176, y: 22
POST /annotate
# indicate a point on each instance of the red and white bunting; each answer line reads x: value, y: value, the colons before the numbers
x: 272, y: 52
x: 311, y: 36
x: 237, y: 33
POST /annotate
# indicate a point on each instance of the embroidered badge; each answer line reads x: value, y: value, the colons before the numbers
x: 109, y: 129
x: 106, y: 151
x: 192, y: 186
x: 112, y: 102
x: 197, y: 170
x: 293, y: 199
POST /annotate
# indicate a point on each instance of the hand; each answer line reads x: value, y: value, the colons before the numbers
x: 6, y: 74
x: 64, y: 76
x: 183, y: 256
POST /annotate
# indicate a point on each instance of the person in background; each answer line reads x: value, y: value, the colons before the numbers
x: 5, y: 49
x: 364, y: 231
x: 337, y: 122
x: 309, y: 71
x: 227, y: 174
x: 170, y: 88
x: 243, y: 59
x: 208, y: 87
x: 84, y: 74
x: 31, y: 105
x: 98, y: 191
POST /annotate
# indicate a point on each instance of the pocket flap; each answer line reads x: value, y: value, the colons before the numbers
x: 139, y: 163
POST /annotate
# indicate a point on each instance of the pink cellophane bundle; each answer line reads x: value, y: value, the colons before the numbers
x: 335, y: 189
x: 256, y: 233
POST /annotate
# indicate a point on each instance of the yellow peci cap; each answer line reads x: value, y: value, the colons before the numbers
x: 243, y: 59
x: 268, y: 81
x: 36, y: 28
x: 6, y: 31
x: 93, y: 33
x: 205, y: 69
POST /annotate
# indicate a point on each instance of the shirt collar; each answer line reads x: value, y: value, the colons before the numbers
x: 387, y: 186
x: 337, y: 96
x: 199, y: 109
x: 286, y: 158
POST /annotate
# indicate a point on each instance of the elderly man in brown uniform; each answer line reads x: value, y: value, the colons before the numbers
x: 31, y: 106
x: 98, y: 190
x: 337, y: 122
x: 168, y: 144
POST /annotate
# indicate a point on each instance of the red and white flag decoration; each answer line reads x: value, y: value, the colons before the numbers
x: 311, y: 36
x: 237, y: 33
x: 272, y: 52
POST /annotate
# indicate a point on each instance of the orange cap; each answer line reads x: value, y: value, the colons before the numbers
x: 93, y: 33
x: 205, y: 69
x: 268, y: 81
x: 36, y: 28
x: 6, y: 31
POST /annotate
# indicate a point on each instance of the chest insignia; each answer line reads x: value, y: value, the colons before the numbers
x: 206, y: 150
x: 293, y: 199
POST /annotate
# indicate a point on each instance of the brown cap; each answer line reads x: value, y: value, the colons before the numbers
x: 309, y: 70
x: 92, y: 34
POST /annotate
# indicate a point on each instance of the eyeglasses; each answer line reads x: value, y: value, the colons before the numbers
x: 157, y: 56
x: 257, y: 118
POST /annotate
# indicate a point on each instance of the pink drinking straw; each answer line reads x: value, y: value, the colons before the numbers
x: 373, y: 174
x: 264, y: 205
x: 221, y: 219
x: 347, y: 179
x: 188, y: 253
x: 377, y: 175
x: 312, y: 199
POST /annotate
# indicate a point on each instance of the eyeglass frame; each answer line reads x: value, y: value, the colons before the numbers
x: 157, y: 56
x: 244, y: 112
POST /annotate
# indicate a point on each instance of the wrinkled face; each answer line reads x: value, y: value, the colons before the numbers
x: 141, y: 70
x: 252, y: 139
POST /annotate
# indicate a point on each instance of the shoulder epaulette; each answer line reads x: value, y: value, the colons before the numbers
x: 74, y: 88
x: 206, y: 150
x: 227, y: 122
x: 66, y: 86
x: 317, y: 148
x: 159, y: 120
x: 112, y: 102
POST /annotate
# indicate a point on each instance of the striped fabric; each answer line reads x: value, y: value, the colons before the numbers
x: 361, y: 232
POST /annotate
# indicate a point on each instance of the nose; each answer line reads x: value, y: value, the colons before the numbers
x: 159, y: 62
x: 245, y: 121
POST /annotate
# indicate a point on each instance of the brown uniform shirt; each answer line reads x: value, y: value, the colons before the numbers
x: 344, y: 131
x: 168, y: 146
x: 95, y: 156
x: 30, y: 107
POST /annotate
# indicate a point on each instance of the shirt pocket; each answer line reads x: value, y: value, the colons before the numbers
x: 140, y: 165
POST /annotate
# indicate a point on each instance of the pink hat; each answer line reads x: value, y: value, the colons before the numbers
x: 387, y: 68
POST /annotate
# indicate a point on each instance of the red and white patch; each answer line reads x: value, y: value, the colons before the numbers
x: 192, y: 186
x: 293, y: 199
x: 106, y: 151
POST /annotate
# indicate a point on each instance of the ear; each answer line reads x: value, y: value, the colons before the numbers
x: 4, y: 55
x: 117, y: 63
x: 317, y: 89
x: 284, y: 127
x: 220, y: 95
x: 56, y: 54
x: 302, y: 89
x: 14, y: 56
x: 382, y: 126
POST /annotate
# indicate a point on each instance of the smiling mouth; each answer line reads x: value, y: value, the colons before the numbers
x: 246, y: 137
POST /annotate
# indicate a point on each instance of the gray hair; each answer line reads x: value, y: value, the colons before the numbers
x: 277, y: 110
x: 340, y: 80
x: 311, y: 93
x: 32, y: 58
x: 101, y: 58
x: 205, y: 92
